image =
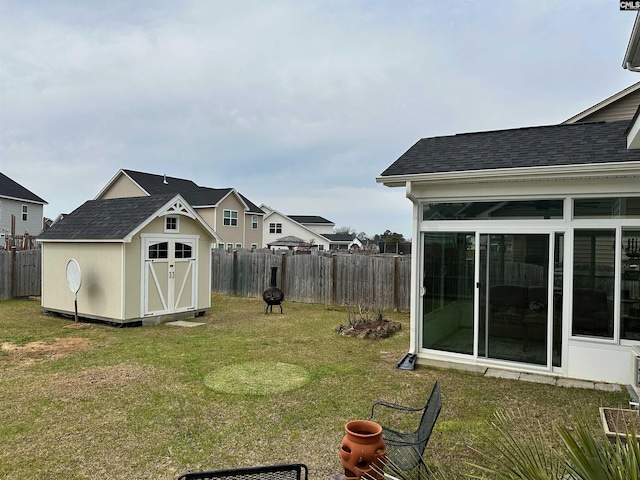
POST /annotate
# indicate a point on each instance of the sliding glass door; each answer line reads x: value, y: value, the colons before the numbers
x: 513, y: 296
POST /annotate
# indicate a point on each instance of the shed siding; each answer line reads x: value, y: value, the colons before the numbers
x: 101, y: 266
x: 132, y: 289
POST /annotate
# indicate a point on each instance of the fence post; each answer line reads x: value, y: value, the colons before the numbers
x: 234, y: 273
x: 334, y: 276
x: 283, y: 271
x: 12, y: 269
x: 396, y: 284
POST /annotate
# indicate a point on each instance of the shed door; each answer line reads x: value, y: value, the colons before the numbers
x: 169, y: 276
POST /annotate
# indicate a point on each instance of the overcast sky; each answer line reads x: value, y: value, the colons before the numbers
x: 299, y: 105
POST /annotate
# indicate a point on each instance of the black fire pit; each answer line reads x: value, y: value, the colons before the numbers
x: 273, y: 295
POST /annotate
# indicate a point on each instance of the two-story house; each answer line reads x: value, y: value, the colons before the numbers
x: 307, y: 229
x: 23, y: 205
x: 237, y: 220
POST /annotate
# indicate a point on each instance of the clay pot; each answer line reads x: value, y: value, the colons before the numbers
x: 361, y: 448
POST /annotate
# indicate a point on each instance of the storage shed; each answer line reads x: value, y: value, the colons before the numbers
x: 143, y: 260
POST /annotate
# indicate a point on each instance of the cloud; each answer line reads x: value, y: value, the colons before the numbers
x: 314, y: 99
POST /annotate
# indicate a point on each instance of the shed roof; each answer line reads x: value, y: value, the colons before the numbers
x: 13, y: 190
x: 112, y: 219
x: 546, y: 146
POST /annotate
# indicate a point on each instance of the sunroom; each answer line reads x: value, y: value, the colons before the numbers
x: 526, y: 249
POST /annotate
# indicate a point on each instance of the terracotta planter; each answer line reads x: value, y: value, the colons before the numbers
x: 617, y: 422
x: 361, y: 448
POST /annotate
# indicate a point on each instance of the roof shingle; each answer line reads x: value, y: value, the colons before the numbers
x: 112, y: 219
x: 555, y: 145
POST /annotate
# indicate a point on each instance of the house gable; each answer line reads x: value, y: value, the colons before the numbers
x: 290, y: 227
x: 121, y: 186
x: 621, y: 106
x: 12, y: 190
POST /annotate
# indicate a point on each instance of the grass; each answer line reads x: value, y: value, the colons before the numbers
x: 156, y: 401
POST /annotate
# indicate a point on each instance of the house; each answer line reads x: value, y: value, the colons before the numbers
x: 143, y: 260
x: 237, y: 221
x: 24, y: 206
x: 526, y: 246
x: 310, y: 229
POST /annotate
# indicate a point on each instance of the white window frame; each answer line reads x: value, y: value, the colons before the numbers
x: 254, y: 222
x: 254, y: 246
x: 25, y: 212
x: 275, y: 228
x: 177, y: 224
x: 228, y: 220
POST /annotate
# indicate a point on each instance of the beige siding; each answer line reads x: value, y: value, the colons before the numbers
x: 101, y: 265
x: 208, y: 215
x: 123, y: 187
x: 133, y: 278
x: 231, y: 234
x: 253, y: 235
x: 622, y: 109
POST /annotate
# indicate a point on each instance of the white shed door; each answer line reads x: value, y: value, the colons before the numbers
x: 169, y: 276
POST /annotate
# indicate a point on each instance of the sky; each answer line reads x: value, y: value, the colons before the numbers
x: 298, y: 105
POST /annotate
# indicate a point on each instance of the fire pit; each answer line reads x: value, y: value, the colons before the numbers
x: 273, y: 295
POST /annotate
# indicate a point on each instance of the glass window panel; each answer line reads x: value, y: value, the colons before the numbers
x: 558, y: 278
x: 159, y: 250
x: 623, y: 207
x: 593, y: 282
x: 630, y: 284
x: 182, y: 250
x: 530, y: 209
x: 448, y: 292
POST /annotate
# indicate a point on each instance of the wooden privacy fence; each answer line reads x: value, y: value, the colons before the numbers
x: 330, y: 279
x: 19, y: 273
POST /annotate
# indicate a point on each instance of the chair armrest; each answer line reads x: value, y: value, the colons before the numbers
x: 394, y: 406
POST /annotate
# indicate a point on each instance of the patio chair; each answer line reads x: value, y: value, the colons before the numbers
x: 405, y: 450
x: 294, y: 471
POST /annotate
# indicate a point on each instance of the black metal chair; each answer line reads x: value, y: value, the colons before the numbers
x: 405, y: 450
x: 294, y: 471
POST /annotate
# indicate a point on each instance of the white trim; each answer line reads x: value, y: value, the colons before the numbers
x: 23, y: 200
x: 525, y: 174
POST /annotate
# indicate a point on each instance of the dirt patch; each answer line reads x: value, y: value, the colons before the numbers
x: 373, y: 330
x: 44, y: 349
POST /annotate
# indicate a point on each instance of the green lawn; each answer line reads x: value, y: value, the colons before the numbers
x: 152, y: 402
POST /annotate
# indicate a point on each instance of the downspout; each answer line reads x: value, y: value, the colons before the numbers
x: 408, y: 362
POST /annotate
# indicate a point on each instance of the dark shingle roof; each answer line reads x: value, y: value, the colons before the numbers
x: 112, y: 219
x: 338, y: 237
x: 555, y: 145
x: 13, y: 190
x: 308, y: 219
x: 194, y: 194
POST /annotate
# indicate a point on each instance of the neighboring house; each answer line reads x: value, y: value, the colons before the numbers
x: 526, y: 246
x: 310, y: 229
x: 143, y: 260
x: 237, y: 221
x: 25, y: 206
